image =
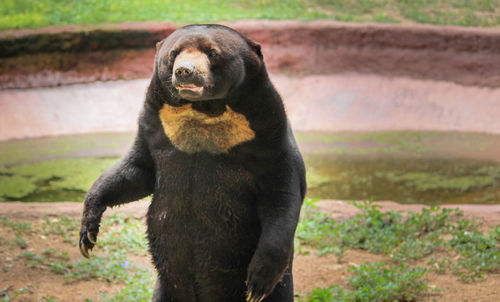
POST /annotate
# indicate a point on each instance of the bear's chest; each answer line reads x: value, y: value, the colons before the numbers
x: 205, y: 190
x: 193, y: 131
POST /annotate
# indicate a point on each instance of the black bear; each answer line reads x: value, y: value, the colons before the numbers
x: 215, y: 149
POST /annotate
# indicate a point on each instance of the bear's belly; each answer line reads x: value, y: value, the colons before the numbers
x: 203, y: 226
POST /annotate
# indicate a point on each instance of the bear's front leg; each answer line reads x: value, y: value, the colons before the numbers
x: 266, y: 270
x: 132, y: 178
x: 91, y: 219
x: 278, y: 213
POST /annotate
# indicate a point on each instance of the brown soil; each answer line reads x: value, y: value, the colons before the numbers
x: 310, y: 271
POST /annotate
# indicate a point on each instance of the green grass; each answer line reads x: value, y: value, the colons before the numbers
x: 403, y: 237
x: 16, y: 226
x: 34, y: 14
x: 120, y: 237
x: 63, y: 227
x: 376, y: 282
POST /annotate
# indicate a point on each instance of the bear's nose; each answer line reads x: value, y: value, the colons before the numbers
x: 184, y: 70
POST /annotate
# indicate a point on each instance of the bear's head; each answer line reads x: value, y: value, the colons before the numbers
x: 206, y: 62
x: 205, y: 69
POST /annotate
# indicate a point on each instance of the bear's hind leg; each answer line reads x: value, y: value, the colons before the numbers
x: 160, y: 293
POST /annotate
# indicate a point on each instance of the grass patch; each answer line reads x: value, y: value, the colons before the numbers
x: 34, y: 14
x: 403, y: 237
x: 16, y: 226
x: 120, y: 237
x: 62, y: 227
x: 376, y: 282
x: 457, y: 12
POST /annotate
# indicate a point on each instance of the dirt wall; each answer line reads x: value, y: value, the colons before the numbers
x: 77, y: 54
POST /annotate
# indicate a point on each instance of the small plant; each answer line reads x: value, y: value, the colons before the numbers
x: 376, y: 282
x: 120, y: 234
x: 329, y: 294
x: 315, y: 228
x: 17, y: 226
x: 138, y: 287
x: 4, y: 293
x: 124, y: 233
x: 439, y: 266
x: 61, y: 226
x: 404, y: 237
x: 21, y: 242
x: 477, y: 254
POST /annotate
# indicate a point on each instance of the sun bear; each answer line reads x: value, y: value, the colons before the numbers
x: 216, y: 151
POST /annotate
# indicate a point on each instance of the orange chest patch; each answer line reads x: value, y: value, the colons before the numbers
x: 193, y: 131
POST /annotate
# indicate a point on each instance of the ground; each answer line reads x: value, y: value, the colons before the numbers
x: 41, y: 282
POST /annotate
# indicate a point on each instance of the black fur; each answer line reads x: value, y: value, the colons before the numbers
x: 219, y: 225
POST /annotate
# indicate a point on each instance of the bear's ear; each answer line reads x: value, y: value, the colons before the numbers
x: 159, y: 44
x: 256, y: 48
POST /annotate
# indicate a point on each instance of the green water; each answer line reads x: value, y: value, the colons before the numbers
x: 405, y: 180
x: 57, y: 168
x: 406, y: 167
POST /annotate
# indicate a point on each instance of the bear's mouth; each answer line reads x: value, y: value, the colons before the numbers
x: 190, y: 91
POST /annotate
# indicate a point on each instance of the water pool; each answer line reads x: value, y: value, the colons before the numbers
x: 402, y: 166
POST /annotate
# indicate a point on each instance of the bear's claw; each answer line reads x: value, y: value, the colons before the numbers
x: 84, y: 250
x: 252, y: 298
x: 91, y: 238
x: 87, y: 242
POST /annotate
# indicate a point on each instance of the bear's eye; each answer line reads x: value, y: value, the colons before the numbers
x: 212, y: 53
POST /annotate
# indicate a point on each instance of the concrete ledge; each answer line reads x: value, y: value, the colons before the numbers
x: 351, y: 102
x: 67, y: 55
